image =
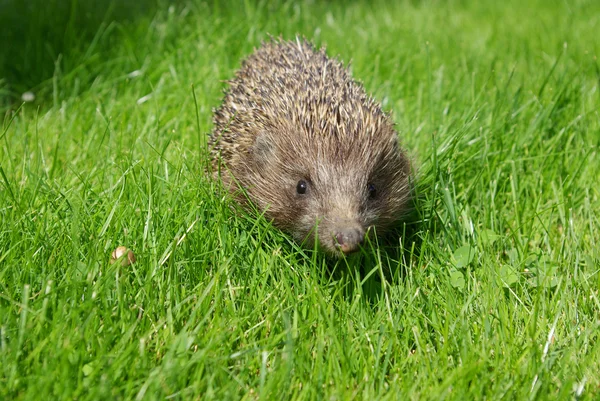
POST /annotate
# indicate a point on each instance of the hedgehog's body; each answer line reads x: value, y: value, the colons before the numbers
x: 310, y: 147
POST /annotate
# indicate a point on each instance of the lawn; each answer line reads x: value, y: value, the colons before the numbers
x: 492, y: 292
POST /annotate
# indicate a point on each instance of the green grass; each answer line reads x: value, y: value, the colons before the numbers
x: 495, y: 296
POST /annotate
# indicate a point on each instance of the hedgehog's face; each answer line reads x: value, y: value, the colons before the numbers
x: 326, y: 190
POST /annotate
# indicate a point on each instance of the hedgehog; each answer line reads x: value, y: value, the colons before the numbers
x: 310, y: 148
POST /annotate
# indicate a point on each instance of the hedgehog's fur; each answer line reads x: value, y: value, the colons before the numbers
x: 292, y: 114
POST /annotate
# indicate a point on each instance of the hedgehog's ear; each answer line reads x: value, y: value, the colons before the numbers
x: 263, y: 149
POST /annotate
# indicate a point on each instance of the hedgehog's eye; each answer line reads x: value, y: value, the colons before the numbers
x: 301, y: 187
x: 372, y: 191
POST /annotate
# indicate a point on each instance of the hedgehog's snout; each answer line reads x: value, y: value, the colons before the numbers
x: 348, y: 237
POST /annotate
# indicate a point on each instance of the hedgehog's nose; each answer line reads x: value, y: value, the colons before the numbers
x: 349, y: 239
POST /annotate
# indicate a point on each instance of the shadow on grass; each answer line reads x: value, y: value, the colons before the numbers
x: 386, y: 260
x: 39, y: 36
